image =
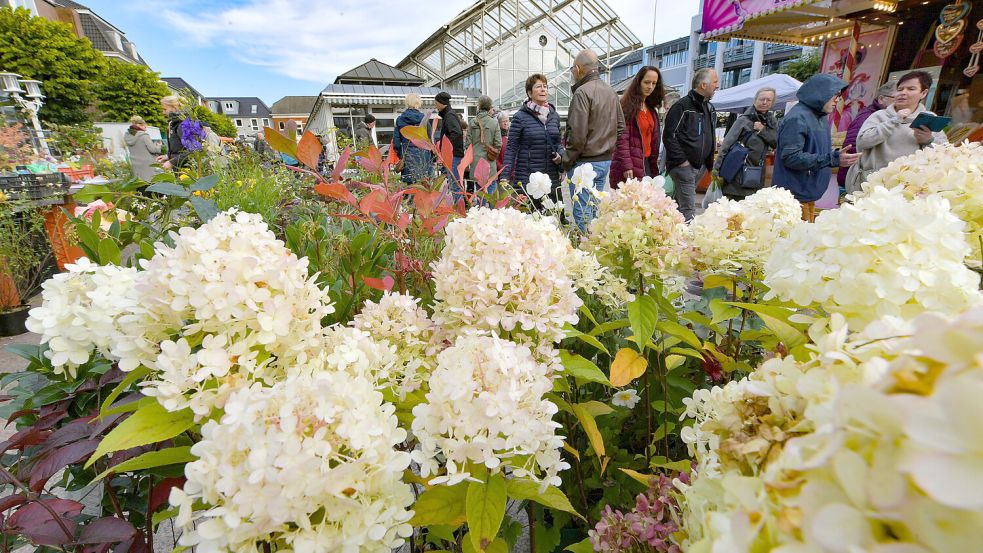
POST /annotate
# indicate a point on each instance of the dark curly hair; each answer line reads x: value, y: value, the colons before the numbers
x: 631, y: 102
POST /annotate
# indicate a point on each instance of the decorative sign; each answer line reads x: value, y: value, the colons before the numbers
x: 723, y: 16
x: 867, y: 70
x: 949, y: 32
x: 974, y: 60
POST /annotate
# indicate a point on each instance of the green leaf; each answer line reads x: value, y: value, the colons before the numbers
x: 151, y: 459
x: 109, y: 253
x: 681, y: 332
x: 485, y: 509
x: 206, y: 209
x: 643, y: 314
x: 586, y: 338
x: 130, y: 378
x: 788, y: 334
x: 583, y: 369
x: 590, y: 428
x: 149, y: 424
x: 204, y: 183
x: 596, y: 408
x: 88, y: 237
x: 680, y: 466
x: 581, y: 547
x: 604, y: 328
x: 127, y: 407
x: 441, y: 505
x: 722, y: 311
x: 161, y: 516
x: 497, y: 546
x: 147, y: 250
x: 583, y: 309
x: 527, y: 490
x: 169, y: 189
x: 30, y: 352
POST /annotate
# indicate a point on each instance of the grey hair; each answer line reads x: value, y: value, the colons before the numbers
x: 587, y: 60
x: 413, y: 101
x: 766, y: 89
x: 887, y: 89
x: 502, y: 116
x: 484, y: 102
x: 702, y: 76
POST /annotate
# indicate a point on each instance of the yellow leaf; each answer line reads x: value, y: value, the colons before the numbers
x: 604, y: 464
x: 571, y: 451
x: 637, y: 476
x: 590, y: 428
x: 673, y: 361
x: 628, y: 365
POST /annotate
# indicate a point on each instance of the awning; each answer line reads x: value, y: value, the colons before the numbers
x: 739, y: 98
x: 800, y: 22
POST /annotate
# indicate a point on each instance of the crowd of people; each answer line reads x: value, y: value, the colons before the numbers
x: 624, y: 138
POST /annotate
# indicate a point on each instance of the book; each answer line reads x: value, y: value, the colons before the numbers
x: 934, y: 122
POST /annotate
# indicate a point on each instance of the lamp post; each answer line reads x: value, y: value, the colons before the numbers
x: 29, y: 100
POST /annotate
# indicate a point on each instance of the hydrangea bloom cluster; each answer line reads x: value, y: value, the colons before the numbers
x: 485, y: 406
x: 731, y: 235
x: 650, y: 526
x: 79, y: 312
x: 884, y: 255
x: 505, y: 271
x: 399, y: 319
x: 869, y: 446
x: 639, y: 230
x: 952, y: 172
x: 308, y: 464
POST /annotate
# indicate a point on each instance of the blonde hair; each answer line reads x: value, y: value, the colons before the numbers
x: 172, y: 102
x: 413, y: 101
x: 137, y: 120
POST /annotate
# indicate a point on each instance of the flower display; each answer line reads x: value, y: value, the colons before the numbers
x: 79, y: 312
x: 639, y: 230
x: 485, y: 406
x: 539, y: 185
x: 308, y: 464
x: 227, y: 304
x: 731, y: 235
x: 954, y: 172
x: 867, y: 446
x: 192, y: 134
x: 505, y: 271
x: 399, y: 319
x: 648, y: 527
x: 884, y: 255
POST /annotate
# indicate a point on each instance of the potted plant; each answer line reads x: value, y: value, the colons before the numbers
x: 24, y: 258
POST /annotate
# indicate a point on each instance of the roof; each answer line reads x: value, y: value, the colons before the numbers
x: 376, y: 71
x: 68, y: 4
x: 100, y: 32
x: 245, y: 105
x: 177, y: 83
x: 386, y: 90
x: 294, y: 105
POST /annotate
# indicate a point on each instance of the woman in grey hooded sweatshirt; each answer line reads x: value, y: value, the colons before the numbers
x: 143, y: 150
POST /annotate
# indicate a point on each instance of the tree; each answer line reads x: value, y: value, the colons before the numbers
x: 803, y: 68
x: 219, y: 123
x: 126, y: 89
x: 67, y: 66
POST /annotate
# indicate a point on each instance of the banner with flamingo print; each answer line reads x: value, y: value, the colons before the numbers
x: 863, y: 72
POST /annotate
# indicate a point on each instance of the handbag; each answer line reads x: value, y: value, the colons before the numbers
x: 491, y: 153
x: 752, y: 177
x: 733, y: 161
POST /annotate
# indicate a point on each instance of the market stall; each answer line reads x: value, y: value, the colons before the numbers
x: 738, y: 98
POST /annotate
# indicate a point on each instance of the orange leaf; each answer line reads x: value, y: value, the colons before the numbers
x: 628, y: 365
x: 434, y: 224
x: 465, y: 162
x: 280, y: 143
x: 335, y: 190
x: 339, y: 167
x: 385, y: 283
x: 377, y: 203
x: 393, y: 157
x: 309, y: 150
x: 446, y: 154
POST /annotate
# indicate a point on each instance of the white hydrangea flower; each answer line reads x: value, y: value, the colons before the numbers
x: 308, y: 464
x: 733, y: 235
x: 358, y: 353
x: 485, y: 405
x: 539, y: 185
x: 947, y: 170
x: 79, y: 312
x: 232, y: 305
x: 625, y: 398
x: 583, y: 177
x: 505, y: 271
x: 640, y: 231
x: 882, y: 256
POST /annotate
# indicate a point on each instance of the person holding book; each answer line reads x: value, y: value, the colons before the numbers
x: 888, y: 134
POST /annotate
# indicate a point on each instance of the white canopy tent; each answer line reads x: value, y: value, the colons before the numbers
x: 739, y: 98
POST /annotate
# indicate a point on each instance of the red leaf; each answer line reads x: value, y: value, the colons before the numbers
x: 137, y: 544
x: 12, y: 501
x: 51, y: 463
x: 435, y: 224
x: 24, y: 438
x: 465, y: 162
x: 74, y: 431
x: 377, y: 203
x: 426, y: 201
x: 309, y: 150
x: 372, y: 161
x: 35, y: 522
x: 112, y: 376
x: 107, y: 530
x: 446, y: 153
x: 162, y: 491
x: 18, y: 414
x: 385, y: 283
x: 481, y: 171
x: 351, y: 217
x: 339, y: 167
x: 423, y: 144
x: 392, y: 158
x: 502, y: 203
x: 403, y: 221
x: 337, y: 191
x: 491, y: 179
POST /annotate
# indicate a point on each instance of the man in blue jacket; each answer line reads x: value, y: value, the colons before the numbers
x: 804, y: 157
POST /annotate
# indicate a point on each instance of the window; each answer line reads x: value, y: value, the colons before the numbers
x: 281, y: 125
x: 254, y: 107
x: 300, y: 126
x: 238, y: 122
x: 674, y: 59
x: 254, y: 124
x: 266, y: 122
x: 229, y: 106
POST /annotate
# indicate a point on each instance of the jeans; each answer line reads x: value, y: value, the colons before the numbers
x: 454, y: 180
x: 585, y: 203
x: 685, y: 178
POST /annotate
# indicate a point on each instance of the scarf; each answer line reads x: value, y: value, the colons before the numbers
x: 542, y: 112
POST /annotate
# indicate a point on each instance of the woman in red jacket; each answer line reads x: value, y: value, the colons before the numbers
x: 637, y: 152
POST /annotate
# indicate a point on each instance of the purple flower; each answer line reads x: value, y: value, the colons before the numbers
x: 648, y: 527
x: 192, y: 135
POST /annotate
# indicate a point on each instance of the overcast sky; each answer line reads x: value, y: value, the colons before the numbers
x: 273, y: 48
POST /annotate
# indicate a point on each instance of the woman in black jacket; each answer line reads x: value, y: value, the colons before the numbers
x: 176, y: 152
x: 757, y: 129
x: 534, y: 140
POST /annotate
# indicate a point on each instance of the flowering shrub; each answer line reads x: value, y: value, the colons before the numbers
x: 648, y: 527
x: 192, y: 134
x: 486, y: 407
x: 398, y: 319
x: 732, y: 235
x: 639, y: 229
x: 307, y: 464
x: 882, y: 256
x: 952, y: 172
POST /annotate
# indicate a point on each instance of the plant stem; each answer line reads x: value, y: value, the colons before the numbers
x: 531, y: 512
x: 150, y: 516
x: 114, y: 500
x: 649, y: 446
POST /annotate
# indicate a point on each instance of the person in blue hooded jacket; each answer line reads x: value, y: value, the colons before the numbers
x: 417, y: 162
x: 804, y: 157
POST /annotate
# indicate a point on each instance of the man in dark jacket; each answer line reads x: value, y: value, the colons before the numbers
x: 885, y: 97
x: 363, y: 134
x: 689, y: 138
x: 594, y: 123
x: 804, y: 156
x: 450, y: 128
